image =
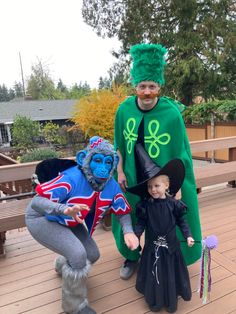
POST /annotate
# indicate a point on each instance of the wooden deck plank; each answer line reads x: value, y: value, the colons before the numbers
x: 50, y: 308
x: 36, y: 289
x: 138, y: 306
x: 27, y: 282
x: 222, y: 305
x: 30, y: 292
x: 220, y: 229
x: 231, y: 255
x: 31, y: 303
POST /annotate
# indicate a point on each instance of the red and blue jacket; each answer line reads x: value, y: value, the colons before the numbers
x: 71, y: 187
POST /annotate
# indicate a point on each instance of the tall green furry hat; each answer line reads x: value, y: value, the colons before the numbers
x: 148, y: 63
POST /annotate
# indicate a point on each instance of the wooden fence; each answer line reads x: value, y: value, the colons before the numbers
x: 199, y: 133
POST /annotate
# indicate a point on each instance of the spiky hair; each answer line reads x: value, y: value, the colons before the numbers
x: 148, y: 63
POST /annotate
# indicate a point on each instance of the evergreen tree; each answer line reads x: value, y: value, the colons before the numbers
x: 61, y: 87
x: 18, y: 89
x: 4, y: 93
x: 11, y: 94
x: 119, y: 72
x: 104, y: 83
x: 200, y: 36
x: 78, y: 91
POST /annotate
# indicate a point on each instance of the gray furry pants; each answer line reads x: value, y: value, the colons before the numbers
x: 74, y: 244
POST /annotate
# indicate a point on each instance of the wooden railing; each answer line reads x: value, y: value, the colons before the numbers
x: 15, y: 179
x: 214, y: 145
x: 12, y: 174
x: 215, y: 173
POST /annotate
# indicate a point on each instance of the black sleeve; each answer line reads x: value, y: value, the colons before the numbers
x: 141, y: 219
x: 180, y: 212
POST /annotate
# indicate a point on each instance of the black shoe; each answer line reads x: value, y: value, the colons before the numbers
x: 128, y: 269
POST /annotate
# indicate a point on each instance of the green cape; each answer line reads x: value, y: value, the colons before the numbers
x: 165, y: 139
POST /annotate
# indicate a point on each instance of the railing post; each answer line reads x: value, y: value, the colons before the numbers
x: 2, y: 240
x: 232, y: 157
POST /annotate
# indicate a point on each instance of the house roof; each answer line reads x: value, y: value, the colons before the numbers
x: 37, y: 110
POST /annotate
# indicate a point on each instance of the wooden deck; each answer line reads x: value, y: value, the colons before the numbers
x: 29, y: 284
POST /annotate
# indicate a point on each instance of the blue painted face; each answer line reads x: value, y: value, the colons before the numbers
x: 101, y: 166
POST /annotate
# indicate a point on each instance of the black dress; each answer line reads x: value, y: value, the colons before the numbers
x: 162, y: 274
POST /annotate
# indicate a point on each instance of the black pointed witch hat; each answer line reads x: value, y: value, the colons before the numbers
x: 174, y: 169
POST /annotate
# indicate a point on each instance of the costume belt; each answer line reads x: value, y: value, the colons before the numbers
x: 161, y: 241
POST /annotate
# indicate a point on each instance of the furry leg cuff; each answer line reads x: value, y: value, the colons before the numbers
x: 74, y: 289
x: 59, y: 262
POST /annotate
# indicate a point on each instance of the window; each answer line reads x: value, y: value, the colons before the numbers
x: 4, y: 138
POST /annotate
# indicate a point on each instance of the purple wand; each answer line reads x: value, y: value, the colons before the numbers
x: 208, y: 244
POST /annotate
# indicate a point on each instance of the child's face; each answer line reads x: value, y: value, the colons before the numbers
x: 157, y: 187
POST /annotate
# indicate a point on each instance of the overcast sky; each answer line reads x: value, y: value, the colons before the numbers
x: 54, y: 32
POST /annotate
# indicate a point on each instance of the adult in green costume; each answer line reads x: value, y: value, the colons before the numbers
x: 155, y: 122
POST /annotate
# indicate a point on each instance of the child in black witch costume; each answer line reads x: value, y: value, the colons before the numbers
x: 162, y: 274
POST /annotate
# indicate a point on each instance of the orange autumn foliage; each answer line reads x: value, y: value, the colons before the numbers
x: 94, y: 114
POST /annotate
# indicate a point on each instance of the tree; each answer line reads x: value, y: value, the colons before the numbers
x: 200, y: 36
x: 119, y: 72
x: 78, y: 91
x: 94, y: 114
x: 24, y: 132
x: 61, y: 87
x: 11, y: 94
x: 104, y: 83
x: 18, y: 88
x: 40, y: 85
x: 6, y: 95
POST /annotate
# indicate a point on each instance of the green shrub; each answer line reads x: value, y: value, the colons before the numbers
x: 24, y: 132
x: 223, y: 110
x: 39, y: 154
